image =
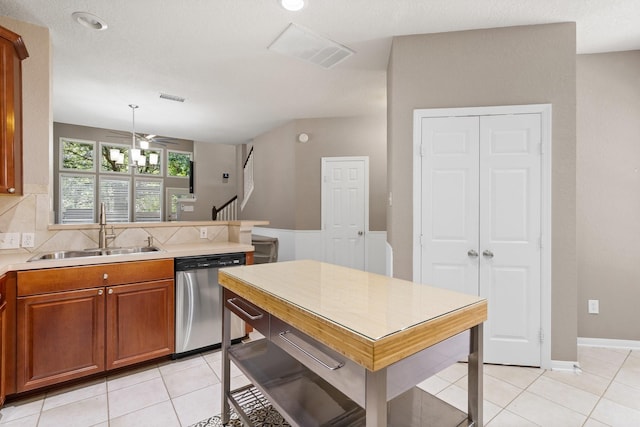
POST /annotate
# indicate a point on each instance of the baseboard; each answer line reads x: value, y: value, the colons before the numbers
x: 565, y: 366
x: 609, y: 343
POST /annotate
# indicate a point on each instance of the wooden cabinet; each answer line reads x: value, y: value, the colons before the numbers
x: 60, y: 337
x: 140, y: 322
x: 3, y: 338
x: 77, y: 321
x: 12, y: 52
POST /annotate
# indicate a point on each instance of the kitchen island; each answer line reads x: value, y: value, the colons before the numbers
x: 341, y: 343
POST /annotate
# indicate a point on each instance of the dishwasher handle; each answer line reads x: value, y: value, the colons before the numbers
x: 336, y: 364
x: 234, y: 303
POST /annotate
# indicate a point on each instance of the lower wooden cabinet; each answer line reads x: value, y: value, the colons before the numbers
x: 3, y: 339
x: 73, y: 333
x: 140, y: 322
x: 61, y: 336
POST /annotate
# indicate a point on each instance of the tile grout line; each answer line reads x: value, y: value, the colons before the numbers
x: 606, y: 389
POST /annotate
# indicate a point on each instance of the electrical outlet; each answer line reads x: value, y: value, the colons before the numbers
x: 28, y: 240
x: 203, y: 232
x: 594, y: 306
x: 9, y: 240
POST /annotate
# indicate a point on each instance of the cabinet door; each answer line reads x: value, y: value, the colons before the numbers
x: 140, y: 322
x: 60, y: 337
x: 3, y: 339
x: 12, y: 52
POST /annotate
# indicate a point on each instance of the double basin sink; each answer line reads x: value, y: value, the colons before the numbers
x: 93, y: 252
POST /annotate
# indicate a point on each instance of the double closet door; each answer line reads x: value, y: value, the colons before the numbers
x: 481, y: 223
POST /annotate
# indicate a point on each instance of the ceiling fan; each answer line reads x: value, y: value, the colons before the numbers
x: 142, y: 139
x: 154, y: 139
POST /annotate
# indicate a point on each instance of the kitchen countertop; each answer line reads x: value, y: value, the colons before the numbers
x: 374, y: 320
x: 16, y: 262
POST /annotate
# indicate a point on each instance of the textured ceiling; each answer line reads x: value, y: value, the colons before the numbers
x: 214, y: 54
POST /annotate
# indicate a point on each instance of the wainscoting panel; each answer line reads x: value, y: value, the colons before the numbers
x: 307, y: 244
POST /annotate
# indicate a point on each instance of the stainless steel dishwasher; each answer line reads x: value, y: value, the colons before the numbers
x: 198, y: 315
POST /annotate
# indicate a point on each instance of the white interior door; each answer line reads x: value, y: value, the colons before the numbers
x: 450, y: 203
x: 345, y: 210
x: 510, y: 234
x: 480, y: 223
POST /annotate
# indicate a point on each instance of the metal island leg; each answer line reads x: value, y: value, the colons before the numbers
x: 475, y: 398
x: 376, y: 398
x: 226, y: 365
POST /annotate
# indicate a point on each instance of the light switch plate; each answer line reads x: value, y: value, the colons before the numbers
x: 203, y: 232
x: 594, y: 306
x: 9, y: 240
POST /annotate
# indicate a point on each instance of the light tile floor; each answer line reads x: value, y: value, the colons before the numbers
x: 180, y: 393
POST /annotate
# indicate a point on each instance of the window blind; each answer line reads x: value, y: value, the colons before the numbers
x: 148, y: 197
x: 114, y: 192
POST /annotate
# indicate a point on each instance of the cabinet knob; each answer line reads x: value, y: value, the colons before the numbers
x: 11, y: 190
x: 100, y: 292
x: 110, y: 291
x: 105, y: 276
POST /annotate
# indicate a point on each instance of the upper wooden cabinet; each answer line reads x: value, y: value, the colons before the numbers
x: 12, y: 52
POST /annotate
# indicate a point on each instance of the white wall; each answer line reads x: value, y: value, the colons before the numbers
x: 307, y: 244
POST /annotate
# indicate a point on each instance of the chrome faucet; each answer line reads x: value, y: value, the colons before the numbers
x: 103, y: 236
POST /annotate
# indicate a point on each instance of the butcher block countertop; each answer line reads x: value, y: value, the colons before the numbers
x: 374, y: 320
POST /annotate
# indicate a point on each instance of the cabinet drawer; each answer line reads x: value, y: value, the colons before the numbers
x: 248, y: 312
x: 338, y: 370
x: 33, y: 282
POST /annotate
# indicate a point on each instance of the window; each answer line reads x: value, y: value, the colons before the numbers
x: 153, y: 162
x: 92, y: 172
x: 77, y: 198
x: 114, y: 192
x: 148, y: 197
x: 114, y: 158
x: 178, y: 163
x: 174, y: 195
x: 77, y: 155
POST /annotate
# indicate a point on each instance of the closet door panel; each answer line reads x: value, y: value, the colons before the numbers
x: 450, y: 202
x: 510, y: 234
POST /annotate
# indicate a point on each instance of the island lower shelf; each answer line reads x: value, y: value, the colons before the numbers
x: 279, y: 376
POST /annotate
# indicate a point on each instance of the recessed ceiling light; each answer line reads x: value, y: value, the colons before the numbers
x: 292, y: 5
x: 90, y: 21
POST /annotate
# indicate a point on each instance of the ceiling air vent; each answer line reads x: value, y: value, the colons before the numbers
x: 171, y: 97
x: 303, y: 44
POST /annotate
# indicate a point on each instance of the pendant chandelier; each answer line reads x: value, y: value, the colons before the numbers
x: 136, y: 156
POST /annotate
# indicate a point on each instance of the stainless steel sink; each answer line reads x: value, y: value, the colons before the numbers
x: 93, y: 252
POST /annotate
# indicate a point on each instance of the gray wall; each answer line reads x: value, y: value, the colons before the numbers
x: 212, y: 160
x: 608, y: 194
x: 287, y: 173
x: 516, y: 65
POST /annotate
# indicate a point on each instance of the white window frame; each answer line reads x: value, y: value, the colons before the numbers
x: 160, y: 193
x: 61, y: 176
x: 61, y: 154
x: 116, y: 177
x: 161, y: 162
x: 167, y: 162
x: 126, y: 147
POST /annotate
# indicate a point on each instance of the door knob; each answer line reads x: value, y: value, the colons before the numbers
x: 472, y: 253
x: 487, y: 253
x: 360, y: 233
